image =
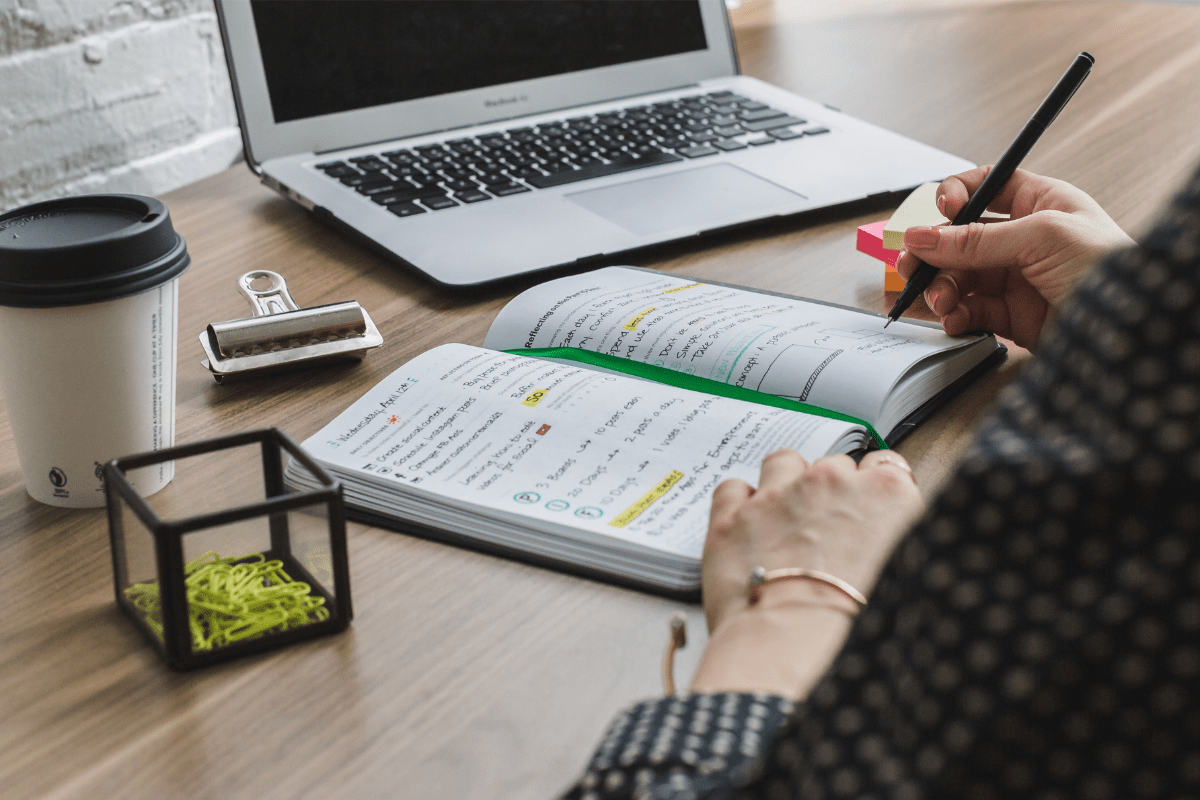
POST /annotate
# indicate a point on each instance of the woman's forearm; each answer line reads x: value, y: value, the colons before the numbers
x: 780, y: 646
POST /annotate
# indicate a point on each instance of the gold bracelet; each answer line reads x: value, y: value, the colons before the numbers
x: 759, y: 577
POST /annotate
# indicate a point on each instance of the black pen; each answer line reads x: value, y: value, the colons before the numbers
x: 1005, y: 167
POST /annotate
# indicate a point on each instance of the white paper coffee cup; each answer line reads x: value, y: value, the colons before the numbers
x: 88, y: 333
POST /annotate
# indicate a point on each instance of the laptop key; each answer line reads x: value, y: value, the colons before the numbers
x: 475, y: 160
x: 405, y: 209
x: 785, y: 133
x: 600, y: 170
x: 357, y: 179
x: 729, y: 144
x: 403, y: 194
x: 425, y: 180
x: 619, y: 156
x: 816, y: 131
x: 505, y: 189
x: 405, y: 160
x: 729, y: 130
x: 461, y: 186
x: 438, y: 203
x: 372, y: 189
x: 753, y: 105
x: 493, y: 178
x: 362, y: 160
x: 472, y: 196
x: 698, y: 151
x: 762, y: 113
x: 408, y: 172
x: 701, y: 138
x: 763, y: 140
x: 774, y: 122
x: 676, y: 141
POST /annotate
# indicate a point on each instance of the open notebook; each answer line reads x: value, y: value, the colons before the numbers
x: 577, y: 449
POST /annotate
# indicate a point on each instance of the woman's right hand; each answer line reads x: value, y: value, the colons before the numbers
x: 1006, y: 277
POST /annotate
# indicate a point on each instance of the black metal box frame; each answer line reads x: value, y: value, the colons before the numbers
x: 175, y: 646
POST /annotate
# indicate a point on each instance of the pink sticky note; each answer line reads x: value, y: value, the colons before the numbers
x: 870, y: 241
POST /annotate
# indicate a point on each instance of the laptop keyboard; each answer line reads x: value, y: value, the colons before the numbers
x: 433, y: 177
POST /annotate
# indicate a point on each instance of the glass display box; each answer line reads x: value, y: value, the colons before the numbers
x: 227, y: 560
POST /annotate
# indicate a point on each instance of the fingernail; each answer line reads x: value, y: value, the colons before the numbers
x: 941, y: 204
x: 932, y: 300
x: 922, y: 237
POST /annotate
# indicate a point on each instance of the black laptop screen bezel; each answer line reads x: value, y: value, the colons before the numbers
x: 266, y: 139
x: 332, y: 56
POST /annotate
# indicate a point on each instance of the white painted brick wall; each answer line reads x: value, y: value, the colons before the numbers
x: 111, y: 96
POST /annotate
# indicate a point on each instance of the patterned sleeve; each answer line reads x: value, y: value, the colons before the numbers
x: 682, y: 747
x: 1037, y: 635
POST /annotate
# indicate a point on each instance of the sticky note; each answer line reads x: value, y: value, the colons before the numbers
x: 919, y: 208
x: 870, y: 241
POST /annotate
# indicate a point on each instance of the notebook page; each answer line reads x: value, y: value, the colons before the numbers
x: 563, y: 445
x: 817, y: 354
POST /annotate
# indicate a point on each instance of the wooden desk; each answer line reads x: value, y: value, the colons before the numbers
x: 469, y: 676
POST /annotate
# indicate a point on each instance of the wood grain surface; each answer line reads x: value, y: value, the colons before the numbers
x: 464, y: 675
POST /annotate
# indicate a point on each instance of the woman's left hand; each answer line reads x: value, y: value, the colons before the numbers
x: 832, y: 515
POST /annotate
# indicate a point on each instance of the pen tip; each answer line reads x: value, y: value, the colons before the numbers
x: 889, y: 322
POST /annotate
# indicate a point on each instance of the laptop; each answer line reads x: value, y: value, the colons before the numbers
x: 474, y: 140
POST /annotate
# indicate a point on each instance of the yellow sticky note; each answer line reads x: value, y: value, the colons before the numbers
x: 919, y: 208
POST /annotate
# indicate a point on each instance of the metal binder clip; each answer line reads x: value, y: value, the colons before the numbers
x: 281, y: 334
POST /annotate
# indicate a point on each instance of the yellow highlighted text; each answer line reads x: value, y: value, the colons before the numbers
x: 633, y: 323
x: 534, y: 398
x: 662, y: 487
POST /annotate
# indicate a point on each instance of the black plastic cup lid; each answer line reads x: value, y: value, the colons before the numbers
x: 87, y: 249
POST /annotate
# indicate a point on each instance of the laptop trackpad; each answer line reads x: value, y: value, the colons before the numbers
x: 694, y: 198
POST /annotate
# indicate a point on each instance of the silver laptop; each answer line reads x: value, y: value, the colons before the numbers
x: 479, y: 139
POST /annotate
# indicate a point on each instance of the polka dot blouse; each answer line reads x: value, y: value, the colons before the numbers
x: 1037, y: 634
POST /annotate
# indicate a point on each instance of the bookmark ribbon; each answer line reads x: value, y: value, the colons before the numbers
x: 694, y: 383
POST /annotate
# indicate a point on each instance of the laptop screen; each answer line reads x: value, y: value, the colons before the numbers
x: 328, y: 56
